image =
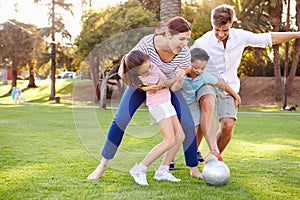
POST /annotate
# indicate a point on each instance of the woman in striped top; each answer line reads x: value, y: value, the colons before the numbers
x: 167, y: 50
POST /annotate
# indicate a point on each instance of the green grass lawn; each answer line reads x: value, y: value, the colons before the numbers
x: 47, y: 151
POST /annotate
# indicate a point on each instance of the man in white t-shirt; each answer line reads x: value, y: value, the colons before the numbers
x: 225, y: 46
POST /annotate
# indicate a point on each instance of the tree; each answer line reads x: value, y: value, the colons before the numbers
x: 153, y: 6
x: 296, y: 54
x: 275, y: 11
x: 16, y: 46
x: 106, y: 36
x: 57, y: 26
x: 168, y: 10
x: 286, y: 57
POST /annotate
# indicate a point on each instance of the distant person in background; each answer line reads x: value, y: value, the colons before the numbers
x: 225, y: 46
x: 18, y: 95
x: 13, y: 94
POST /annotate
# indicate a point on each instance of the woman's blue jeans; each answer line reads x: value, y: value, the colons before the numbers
x: 131, y: 100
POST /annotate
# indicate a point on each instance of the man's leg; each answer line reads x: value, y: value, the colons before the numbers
x: 227, y: 114
x: 207, y: 123
x: 225, y: 133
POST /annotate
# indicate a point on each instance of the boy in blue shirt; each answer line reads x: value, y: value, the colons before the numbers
x: 192, y: 82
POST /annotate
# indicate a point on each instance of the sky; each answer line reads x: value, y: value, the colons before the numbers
x: 28, y: 12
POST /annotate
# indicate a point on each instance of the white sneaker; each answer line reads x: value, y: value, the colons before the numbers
x: 165, y: 175
x: 138, y: 175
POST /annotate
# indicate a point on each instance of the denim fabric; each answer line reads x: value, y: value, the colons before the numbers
x: 130, y: 102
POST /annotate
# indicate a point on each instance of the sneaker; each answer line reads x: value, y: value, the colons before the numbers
x: 161, y: 175
x: 219, y: 157
x: 138, y: 175
x: 213, y: 155
x: 200, y: 158
x: 172, y: 165
x: 209, y: 157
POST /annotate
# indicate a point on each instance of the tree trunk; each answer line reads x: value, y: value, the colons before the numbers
x: 103, y: 88
x: 168, y: 10
x: 296, y: 47
x: 286, y: 58
x: 14, y: 73
x: 31, y: 83
x: 53, y: 69
x: 275, y: 12
x: 277, y: 73
x: 261, y: 63
x: 94, y: 71
x: 295, y: 61
x: 53, y: 54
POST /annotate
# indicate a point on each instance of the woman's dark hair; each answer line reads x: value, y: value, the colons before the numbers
x: 175, y: 26
x: 178, y: 25
x: 199, y: 54
x: 130, y: 64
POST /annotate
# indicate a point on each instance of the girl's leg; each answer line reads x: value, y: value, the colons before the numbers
x: 179, y: 138
x: 130, y: 101
x: 138, y: 172
x: 166, y: 128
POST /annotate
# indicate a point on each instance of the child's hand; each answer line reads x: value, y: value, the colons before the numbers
x: 184, y: 95
x: 188, y: 70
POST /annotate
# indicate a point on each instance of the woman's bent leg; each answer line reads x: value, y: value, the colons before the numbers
x: 130, y: 102
x: 185, y: 117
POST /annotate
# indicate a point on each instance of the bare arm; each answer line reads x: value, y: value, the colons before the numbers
x: 180, y: 73
x: 177, y: 85
x: 281, y: 37
x: 160, y: 85
x: 229, y: 90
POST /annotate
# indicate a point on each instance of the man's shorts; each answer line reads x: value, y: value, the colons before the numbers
x: 225, y: 103
x: 162, y: 111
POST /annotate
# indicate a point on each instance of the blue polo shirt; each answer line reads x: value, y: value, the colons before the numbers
x: 190, y: 86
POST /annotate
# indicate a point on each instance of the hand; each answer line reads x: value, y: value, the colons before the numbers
x: 151, y: 88
x: 238, y: 101
x: 180, y: 73
x: 161, y: 84
x: 184, y: 95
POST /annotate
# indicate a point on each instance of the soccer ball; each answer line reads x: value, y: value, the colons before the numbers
x: 216, y: 173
